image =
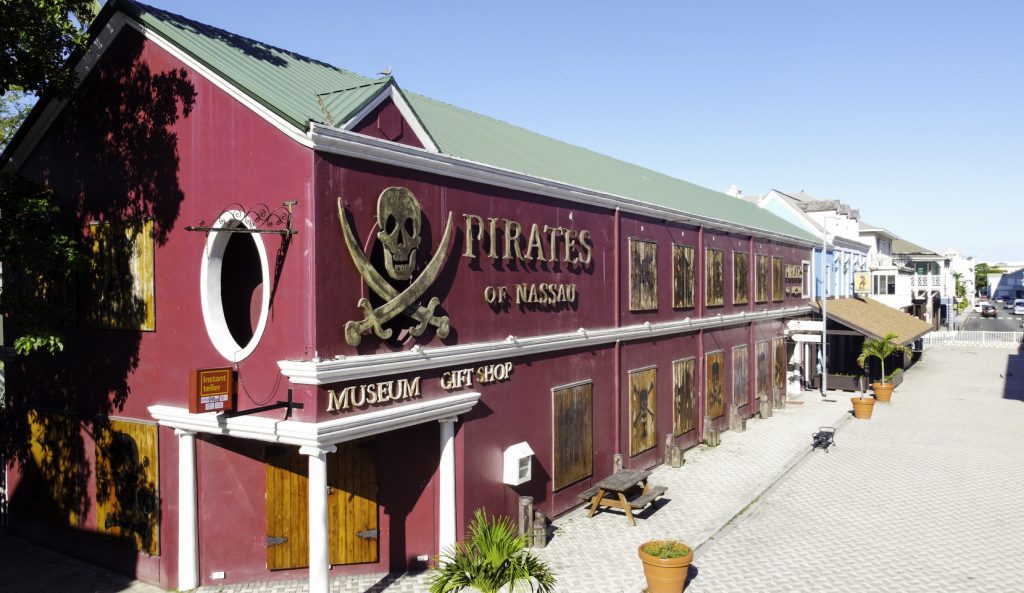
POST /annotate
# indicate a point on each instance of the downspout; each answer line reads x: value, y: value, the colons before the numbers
x: 701, y: 281
x: 751, y: 297
x: 700, y: 276
x: 617, y: 303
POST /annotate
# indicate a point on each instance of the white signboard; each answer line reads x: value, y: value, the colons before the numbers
x: 802, y: 325
x: 809, y: 338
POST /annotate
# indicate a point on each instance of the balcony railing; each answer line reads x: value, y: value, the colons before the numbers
x: 927, y: 281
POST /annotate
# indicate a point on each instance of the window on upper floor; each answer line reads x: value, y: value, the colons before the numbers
x: 682, y: 277
x: 740, y: 278
x: 121, y: 275
x: 643, y: 275
x: 884, y: 284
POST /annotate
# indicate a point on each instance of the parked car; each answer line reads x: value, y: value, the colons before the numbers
x: 989, y: 310
x: 1018, y: 307
x: 1008, y: 303
x: 978, y: 305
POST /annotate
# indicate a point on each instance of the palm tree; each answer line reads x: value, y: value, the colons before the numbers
x: 492, y: 556
x: 880, y: 349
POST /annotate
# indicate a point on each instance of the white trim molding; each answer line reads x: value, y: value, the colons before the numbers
x: 317, y: 434
x: 347, y: 368
x: 392, y: 92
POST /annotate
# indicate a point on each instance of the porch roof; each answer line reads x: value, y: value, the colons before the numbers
x: 874, y: 319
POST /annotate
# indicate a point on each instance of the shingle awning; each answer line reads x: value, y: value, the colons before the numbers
x: 874, y: 319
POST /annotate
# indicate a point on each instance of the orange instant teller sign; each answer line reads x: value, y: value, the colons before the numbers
x: 211, y: 390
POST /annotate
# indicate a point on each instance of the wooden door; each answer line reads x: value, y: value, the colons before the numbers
x: 287, y: 508
x: 351, y: 506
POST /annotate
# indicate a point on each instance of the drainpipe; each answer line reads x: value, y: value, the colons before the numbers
x: 617, y: 303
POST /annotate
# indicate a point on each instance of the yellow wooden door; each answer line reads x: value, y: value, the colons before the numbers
x: 287, y: 508
x: 351, y: 506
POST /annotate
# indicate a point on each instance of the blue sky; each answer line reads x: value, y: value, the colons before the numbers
x: 910, y: 111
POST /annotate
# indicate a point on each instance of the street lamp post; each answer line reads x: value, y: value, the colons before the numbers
x: 824, y: 308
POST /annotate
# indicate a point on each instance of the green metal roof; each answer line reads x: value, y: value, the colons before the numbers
x: 293, y: 86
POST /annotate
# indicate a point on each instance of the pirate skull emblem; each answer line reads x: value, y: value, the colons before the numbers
x: 399, y: 218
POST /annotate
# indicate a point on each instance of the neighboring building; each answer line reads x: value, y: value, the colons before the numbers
x: 932, y: 286
x: 890, y: 280
x: 962, y: 266
x: 845, y: 252
x: 1007, y: 286
x: 467, y: 312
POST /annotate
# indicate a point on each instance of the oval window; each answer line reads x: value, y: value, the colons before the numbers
x: 235, y: 287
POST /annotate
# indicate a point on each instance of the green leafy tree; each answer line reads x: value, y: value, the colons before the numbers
x: 38, y: 264
x: 880, y: 349
x: 981, y: 272
x: 492, y: 557
x: 14, y: 108
x: 36, y: 39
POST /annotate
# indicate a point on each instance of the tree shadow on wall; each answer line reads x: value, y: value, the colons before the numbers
x: 111, y: 157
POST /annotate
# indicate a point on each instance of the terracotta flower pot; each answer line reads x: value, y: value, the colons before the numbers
x: 883, y: 391
x: 862, y: 407
x: 665, y: 575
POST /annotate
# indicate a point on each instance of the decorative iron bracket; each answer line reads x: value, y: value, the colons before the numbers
x: 260, y: 214
x: 290, y: 405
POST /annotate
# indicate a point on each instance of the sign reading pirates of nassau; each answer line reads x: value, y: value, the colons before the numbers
x: 400, y: 221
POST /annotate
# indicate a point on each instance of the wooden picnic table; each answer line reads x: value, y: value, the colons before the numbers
x: 615, y: 490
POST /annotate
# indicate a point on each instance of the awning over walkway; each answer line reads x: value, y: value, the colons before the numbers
x: 874, y: 319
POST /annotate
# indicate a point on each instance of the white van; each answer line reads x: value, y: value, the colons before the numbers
x: 1018, y: 307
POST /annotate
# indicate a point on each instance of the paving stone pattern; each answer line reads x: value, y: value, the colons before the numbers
x: 923, y: 497
x: 926, y: 496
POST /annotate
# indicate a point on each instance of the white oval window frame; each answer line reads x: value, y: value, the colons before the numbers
x: 210, y: 283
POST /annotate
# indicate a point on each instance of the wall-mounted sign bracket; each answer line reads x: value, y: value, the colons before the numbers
x: 289, y: 405
x: 258, y: 215
x: 277, y: 222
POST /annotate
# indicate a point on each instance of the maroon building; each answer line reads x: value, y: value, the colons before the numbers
x: 466, y: 312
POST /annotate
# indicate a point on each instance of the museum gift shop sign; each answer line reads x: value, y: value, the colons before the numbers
x: 385, y: 392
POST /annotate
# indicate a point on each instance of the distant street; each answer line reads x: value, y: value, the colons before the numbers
x: 1005, y: 322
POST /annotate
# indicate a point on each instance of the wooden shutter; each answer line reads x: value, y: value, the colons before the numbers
x: 127, y: 484
x: 573, y: 430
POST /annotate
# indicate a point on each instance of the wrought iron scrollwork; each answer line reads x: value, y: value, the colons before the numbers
x: 264, y: 219
x: 274, y: 221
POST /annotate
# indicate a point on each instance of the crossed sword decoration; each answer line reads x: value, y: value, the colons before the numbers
x: 396, y: 302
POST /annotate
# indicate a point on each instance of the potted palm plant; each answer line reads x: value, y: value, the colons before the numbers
x: 493, y: 558
x: 666, y: 563
x: 881, y: 349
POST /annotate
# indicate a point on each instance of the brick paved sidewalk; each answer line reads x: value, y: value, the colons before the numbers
x: 926, y: 496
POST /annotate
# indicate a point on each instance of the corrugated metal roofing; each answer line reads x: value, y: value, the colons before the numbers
x: 289, y: 85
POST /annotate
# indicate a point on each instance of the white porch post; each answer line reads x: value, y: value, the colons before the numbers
x: 446, y: 479
x: 319, y: 558
x: 188, y: 533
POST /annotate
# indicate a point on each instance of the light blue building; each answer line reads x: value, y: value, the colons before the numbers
x: 843, y: 252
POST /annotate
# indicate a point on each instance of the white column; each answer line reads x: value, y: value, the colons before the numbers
x: 188, y: 532
x: 446, y: 483
x: 319, y: 557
